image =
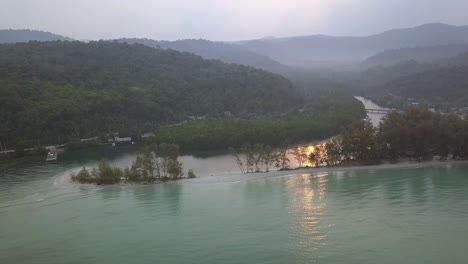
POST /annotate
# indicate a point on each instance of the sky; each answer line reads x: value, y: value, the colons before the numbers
x: 225, y: 19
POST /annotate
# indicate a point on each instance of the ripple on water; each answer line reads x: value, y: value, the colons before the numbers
x: 359, y: 217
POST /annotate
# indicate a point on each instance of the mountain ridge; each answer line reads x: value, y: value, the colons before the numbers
x: 421, y: 54
x: 26, y: 35
x: 225, y: 52
x: 304, y: 50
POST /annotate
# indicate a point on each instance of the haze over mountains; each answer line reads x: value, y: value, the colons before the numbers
x: 395, y: 58
x: 421, y: 54
x: 226, y: 52
x: 423, y: 43
x: 443, y: 81
x: 313, y: 50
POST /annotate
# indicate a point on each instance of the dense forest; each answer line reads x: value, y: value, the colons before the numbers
x: 440, y: 84
x: 323, y: 117
x: 437, y: 87
x: 54, y: 92
x: 416, y: 134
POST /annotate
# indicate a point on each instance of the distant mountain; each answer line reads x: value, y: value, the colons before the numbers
x: 420, y: 54
x: 446, y: 86
x: 328, y: 50
x: 378, y: 75
x: 441, y: 82
x: 26, y: 35
x: 225, y: 52
x: 381, y: 74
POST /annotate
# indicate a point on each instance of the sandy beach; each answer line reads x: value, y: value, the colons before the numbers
x: 239, y: 177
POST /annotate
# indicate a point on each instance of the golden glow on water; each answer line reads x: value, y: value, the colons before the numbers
x: 309, y: 205
x: 347, y: 217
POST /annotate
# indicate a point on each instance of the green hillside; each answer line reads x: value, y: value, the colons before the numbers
x: 53, y: 92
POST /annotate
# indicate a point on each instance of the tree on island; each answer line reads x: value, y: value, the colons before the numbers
x: 259, y: 158
x: 318, y: 156
x: 155, y: 163
x: 103, y: 174
x: 300, y: 154
x: 282, y: 160
x: 359, y: 142
x: 333, y: 150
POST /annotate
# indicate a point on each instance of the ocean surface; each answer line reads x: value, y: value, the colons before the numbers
x: 415, y: 215
x: 382, y: 216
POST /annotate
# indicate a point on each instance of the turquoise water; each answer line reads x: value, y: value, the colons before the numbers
x: 386, y: 216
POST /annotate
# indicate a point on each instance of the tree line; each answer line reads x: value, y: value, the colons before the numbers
x: 155, y: 163
x: 417, y: 135
x: 320, y: 120
x: 259, y: 157
x: 57, y: 92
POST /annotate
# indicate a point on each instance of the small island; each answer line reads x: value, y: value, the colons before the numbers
x: 416, y: 135
x: 157, y: 163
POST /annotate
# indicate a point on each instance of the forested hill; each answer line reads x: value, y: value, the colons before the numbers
x: 376, y: 77
x: 443, y: 86
x: 56, y: 91
x: 420, y: 54
x: 440, y: 83
x: 26, y: 35
x: 225, y: 52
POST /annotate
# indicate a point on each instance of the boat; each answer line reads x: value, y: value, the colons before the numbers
x: 51, y: 157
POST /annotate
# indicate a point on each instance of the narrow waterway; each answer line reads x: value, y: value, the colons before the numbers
x: 368, y: 104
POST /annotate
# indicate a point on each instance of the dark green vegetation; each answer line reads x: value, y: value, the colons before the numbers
x: 323, y: 117
x: 446, y: 87
x: 191, y: 174
x: 59, y: 92
x: 260, y: 157
x: 56, y: 92
x: 103, y: 174
x: 441, y: 84
x: 416, y: 134
x: 156, y: 163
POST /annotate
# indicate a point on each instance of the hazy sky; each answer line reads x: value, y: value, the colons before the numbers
x: 224, y: 19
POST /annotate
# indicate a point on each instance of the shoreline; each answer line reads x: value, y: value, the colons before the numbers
x: 242, y: 177
x: 239, y: 177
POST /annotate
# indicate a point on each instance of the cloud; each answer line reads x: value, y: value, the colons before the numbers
x: 224, y: 19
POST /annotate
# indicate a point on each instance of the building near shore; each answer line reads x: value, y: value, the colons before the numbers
x: 122, y: 140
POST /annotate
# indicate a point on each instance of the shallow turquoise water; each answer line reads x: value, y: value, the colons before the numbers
x: 388, y: 216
